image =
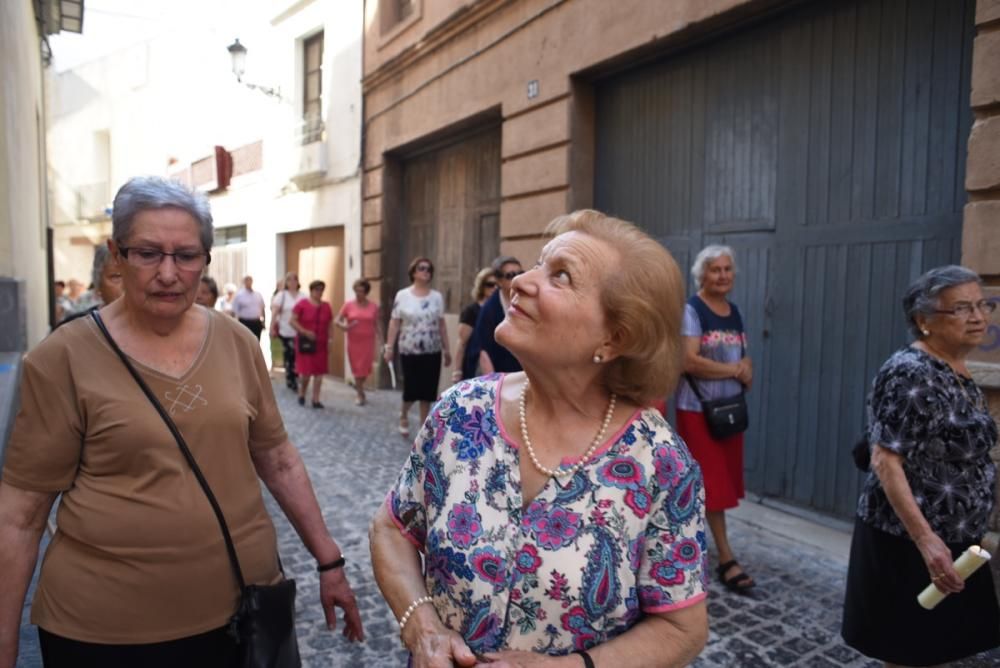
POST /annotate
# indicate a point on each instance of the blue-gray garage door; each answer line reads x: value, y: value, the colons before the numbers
x: 826, y: 145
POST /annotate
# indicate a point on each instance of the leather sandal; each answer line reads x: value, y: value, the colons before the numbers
x: 740, y: 583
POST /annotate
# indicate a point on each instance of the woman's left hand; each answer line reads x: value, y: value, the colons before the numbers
x: 334, y: 591
x: 447, y: 358
x: 519, y: 659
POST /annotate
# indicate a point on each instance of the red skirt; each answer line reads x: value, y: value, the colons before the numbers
x: 721, y: 462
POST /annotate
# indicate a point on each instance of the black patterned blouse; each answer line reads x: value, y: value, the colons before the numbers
x: 917, y: 409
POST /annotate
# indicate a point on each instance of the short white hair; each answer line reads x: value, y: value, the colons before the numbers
x: 705, y: 256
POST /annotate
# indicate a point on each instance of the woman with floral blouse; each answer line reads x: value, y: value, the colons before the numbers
x: 560, y: 522
x: 930, y: 491
x: 418, y: 319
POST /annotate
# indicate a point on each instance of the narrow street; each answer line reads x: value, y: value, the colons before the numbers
x: 353, y: 455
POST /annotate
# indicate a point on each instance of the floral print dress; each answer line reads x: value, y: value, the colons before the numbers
x: 582, y: 563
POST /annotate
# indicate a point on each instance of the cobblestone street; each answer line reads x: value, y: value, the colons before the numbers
x: 353, y: 455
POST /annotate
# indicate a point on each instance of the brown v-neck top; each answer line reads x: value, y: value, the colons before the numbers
x: 138, y: 556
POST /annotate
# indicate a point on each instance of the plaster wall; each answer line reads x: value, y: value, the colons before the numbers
x: 23, y: 207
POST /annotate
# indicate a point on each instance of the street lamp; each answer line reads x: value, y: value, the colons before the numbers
x: 238, y: 53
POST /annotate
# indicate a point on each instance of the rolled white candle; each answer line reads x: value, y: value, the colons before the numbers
x: 965, y: 565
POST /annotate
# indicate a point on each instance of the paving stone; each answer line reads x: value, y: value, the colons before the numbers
x: 780, y: 656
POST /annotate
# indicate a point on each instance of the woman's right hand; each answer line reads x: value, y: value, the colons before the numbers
x: 433, y: 645
x: 309, y: 335
x: 387, y: 353
x: 940, y: 567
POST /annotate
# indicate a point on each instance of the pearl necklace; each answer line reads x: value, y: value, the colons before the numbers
x: 562, y: 473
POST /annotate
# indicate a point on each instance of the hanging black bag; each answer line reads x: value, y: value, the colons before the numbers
x: 725, y: 417
x: 306, y: 345
x: 264, y: 622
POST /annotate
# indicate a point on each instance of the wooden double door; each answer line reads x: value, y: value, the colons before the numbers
x: 451, y: 212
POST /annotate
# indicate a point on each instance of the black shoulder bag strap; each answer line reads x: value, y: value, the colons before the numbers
x: 230, y: 547
x: 690, y: 380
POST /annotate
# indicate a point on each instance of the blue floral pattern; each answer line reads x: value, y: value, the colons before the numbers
x: 582, y: 563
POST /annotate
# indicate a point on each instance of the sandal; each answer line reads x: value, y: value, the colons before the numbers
x: 740, y: 583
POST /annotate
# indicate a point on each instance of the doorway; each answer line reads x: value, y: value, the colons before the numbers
x: 319, y: 255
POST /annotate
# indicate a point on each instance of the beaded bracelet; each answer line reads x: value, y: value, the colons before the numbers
x: 409, y: 611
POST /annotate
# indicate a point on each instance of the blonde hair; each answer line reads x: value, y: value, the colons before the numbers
x: 478, y: 289
x: 643, y: 302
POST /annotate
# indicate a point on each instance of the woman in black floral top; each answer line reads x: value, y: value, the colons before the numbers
x: 930, y: 492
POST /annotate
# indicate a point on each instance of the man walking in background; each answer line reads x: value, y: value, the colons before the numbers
x: 248, y: 306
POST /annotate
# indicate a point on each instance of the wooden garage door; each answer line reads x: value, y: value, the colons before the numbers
x: 827, y: 146
x: 451, y: 213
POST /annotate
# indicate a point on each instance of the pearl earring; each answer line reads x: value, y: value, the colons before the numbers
x: 925, y: 332
x: 598, y: 359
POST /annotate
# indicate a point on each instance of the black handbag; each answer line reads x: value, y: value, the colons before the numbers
x: 263, y: 625
x: 306, y: 345
x: 726, y: 416
x: 861, y: 453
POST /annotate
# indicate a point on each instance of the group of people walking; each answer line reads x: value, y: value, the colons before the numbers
x: 545, y: 514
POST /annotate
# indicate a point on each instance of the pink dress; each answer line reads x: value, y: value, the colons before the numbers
x: 317, y: 319
x: 360, y: 337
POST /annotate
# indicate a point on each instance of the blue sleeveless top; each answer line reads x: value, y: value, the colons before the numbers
x: 722, y: 340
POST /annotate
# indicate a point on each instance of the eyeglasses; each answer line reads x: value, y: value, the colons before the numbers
x: 187, y: 260
x: 489, y: 284
x: 964, y: 309
x: 424, y: 267
x: 511, y: 275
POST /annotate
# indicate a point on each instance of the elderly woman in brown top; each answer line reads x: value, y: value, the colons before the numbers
x: 137, y: 574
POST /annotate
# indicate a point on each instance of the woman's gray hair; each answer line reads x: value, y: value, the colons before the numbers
x: 101, y: 257
x: 143, y: 193
x: 705, y: 256
x: 921, y: 298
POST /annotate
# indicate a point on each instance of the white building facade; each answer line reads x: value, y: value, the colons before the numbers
x: 278, y: 152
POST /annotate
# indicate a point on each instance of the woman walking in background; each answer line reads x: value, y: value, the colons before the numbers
x: 208, y: 292
x: 418, y: 319
x: 359, y: 317
x: 930, y: 492
x: 225, y: 303
x: 466, y: 348
x: 716, y: 365
x: 282, y: 304
x: 312, y: 319
x: 106, y: 278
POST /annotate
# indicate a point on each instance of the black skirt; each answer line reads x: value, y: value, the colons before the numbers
x: 883, y: 620
x: 421, y: 374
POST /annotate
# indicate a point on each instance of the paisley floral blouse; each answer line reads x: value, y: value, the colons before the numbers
x: 944, y: 433
x: 583, y: 562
